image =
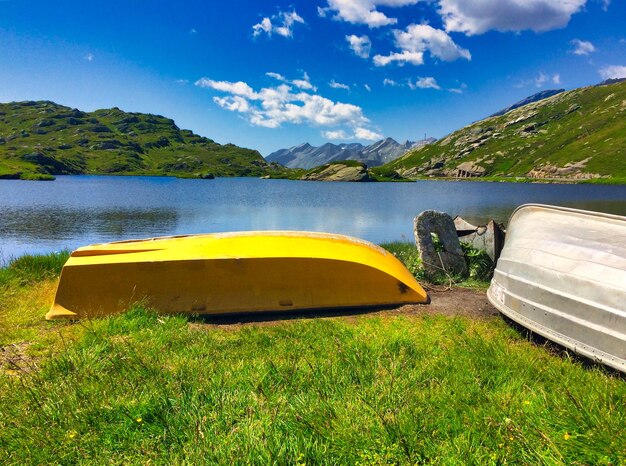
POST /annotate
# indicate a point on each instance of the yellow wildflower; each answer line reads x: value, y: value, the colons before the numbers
x: 139, y: 420
x: 567, y: 436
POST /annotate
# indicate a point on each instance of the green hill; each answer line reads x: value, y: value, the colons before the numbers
x: 575, y: 135
x: 41, y: 139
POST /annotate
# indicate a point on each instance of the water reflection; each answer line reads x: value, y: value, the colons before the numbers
x: 74, y: 211
x: 61, y: 223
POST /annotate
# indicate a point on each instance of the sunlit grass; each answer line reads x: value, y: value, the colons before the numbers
x: 372, y: 389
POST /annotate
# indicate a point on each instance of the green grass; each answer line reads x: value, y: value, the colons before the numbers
x: 480, y: 266
x: 372, y: 389
x: 33, y: 268
x: 581, y: 124
x: 41, y: 139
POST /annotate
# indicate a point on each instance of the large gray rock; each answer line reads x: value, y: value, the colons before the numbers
x: 451, y: 260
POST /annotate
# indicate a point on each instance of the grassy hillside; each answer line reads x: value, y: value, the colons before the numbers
x: 39, y: 139
x: 384, y: 388
x: 576, y: 135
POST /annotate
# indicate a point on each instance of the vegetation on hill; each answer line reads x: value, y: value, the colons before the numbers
x: 577, y: 135
x: 42, y: 139
x: 380, y: 388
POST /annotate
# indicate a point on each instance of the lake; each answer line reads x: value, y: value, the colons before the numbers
x: 39, y: 217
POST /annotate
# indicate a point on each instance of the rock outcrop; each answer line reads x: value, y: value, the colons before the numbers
x: 446, y: 257
x: 338, y: 172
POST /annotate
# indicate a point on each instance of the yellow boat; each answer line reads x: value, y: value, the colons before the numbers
x: 232, y: 273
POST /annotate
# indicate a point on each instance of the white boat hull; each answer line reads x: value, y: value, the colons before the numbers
x: 562, y: 274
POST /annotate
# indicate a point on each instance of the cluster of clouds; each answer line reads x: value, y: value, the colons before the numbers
x: 296, y: 101
x: 282, y: 24
x: 292, y: 101
x: 469, y: 17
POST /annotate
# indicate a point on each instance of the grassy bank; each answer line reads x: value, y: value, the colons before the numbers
x: 372, y: 389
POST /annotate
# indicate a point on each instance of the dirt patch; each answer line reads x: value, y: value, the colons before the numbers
x: 452, y: 302
x: 14, y: 359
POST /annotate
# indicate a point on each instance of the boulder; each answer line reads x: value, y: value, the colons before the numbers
x: 450, y: 260
x: 338, y: 172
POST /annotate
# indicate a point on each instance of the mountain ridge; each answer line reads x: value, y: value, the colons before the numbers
x: 307, y: 156
x: 575, y: 135
x: 40, y: 139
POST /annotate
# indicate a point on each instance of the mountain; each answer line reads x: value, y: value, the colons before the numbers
x: 529, y: 100
x: 574, y: 135
x: 307, y: 156
x: 41, y: 139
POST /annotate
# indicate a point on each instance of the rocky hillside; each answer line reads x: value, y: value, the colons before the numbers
x: 40, y: 139
x: 574, y: 135
x: 529, y: 100
x: 307, y: 156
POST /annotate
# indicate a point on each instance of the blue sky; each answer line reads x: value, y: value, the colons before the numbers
x: 273, y: 74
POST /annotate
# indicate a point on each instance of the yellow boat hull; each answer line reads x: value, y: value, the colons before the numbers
x: 232, y: 273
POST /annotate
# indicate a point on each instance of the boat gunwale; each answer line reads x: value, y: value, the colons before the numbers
x: 590, y: 213
x: 242, y: 234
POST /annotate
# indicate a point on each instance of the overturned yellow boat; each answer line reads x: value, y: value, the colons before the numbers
x: 232, y: 273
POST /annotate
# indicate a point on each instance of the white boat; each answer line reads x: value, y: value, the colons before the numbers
x: 562, y: 274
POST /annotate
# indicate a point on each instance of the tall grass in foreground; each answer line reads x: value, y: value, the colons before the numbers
x: 31, y: 268
x: 139, y: 388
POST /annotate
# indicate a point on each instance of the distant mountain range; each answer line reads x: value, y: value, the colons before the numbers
x: 529, y: 100
x: 379, y: 153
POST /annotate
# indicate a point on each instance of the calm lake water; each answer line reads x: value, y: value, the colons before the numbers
x: 38, y: 217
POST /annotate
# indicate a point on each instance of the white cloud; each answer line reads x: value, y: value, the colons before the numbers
x: 417, y: 39
x: 276, y: 76
x: 281, y: 24
x: 233, y: 103
x: 582, y: 47
x: 367, y: 87
x: 369, y: 135
x: 304, y: 83
x: 271, y: 107
x: 88, y: 57
x: 540, y: 80
x: 459, y: 89
x: 477, y: 17
x: 414, y: 58
x: 424, y: 83
x: 389, y: 82
x: 182, y: 81
x: 360, y: 45
x: 613, y: 72
x: 363, y: 11
x: 335, y: 85
x: 192, y: 31
x: 339, y: 134
x: 237, y: 88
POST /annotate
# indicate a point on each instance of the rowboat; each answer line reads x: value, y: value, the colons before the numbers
x: 488, y: 238
x: 226, y: 273
x: 562, y: 274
